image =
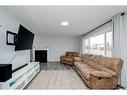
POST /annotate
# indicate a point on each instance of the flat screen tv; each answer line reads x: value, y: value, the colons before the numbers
x: 24, y: 39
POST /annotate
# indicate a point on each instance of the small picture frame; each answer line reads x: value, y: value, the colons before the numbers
x: 10, y: 38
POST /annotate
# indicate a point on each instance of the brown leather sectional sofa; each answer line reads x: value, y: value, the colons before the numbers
x: 68, y: 58
x: 99, y: 72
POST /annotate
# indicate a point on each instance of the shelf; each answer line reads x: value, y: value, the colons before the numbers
x: 21, y: 77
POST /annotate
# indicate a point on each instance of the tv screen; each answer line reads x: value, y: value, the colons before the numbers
x: 24, y: 39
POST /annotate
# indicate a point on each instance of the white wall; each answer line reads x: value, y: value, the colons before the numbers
x: 57, y: 45
x: 9, y: 22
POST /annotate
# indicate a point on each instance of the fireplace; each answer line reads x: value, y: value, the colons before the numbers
x: 41, y: 55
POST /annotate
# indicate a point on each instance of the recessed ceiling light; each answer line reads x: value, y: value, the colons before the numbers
x: 64, y: 23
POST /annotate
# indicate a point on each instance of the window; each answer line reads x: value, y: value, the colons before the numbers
x: 86, y: 46
x: 97, y: 44
x: 100, y: 43
x: 109, y: 44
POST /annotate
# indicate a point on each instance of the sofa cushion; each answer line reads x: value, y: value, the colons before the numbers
x: 85, y: 61
x: 101, y: 74
x: 86, y: 55
x: 75, y: 54
x: 100, y: 67
x: 77, y: 63
x: 107, y: 70
x: 68, y: 54
x: 67, y: 59
x: 77, y: 59
x: 85, y: 69
x: 81, y: 65
x: 107, y: 62
x: 93, y: 64
x: 114, y: 64
x: 86, y: 72
x: 95, y: 58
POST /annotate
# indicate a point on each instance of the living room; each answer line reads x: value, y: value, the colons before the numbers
x: 63, y: 47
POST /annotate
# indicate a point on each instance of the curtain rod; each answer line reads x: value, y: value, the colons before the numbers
x: 98, y: 27
x: 103, y: 24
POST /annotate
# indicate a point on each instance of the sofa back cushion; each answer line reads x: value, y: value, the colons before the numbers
x: 104, y: 63
x: 86, y: 56
x: 99, y: 67
x: 72, y: 54
x: 114, y: 64
x: 95, y: 58
x: 93, y: 64
x: 68, y: 54
x: 75, y: 54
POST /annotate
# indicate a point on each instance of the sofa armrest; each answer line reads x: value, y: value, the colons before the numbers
x: 61, y: 57
x: 77, y: 59
x: 101, y: 74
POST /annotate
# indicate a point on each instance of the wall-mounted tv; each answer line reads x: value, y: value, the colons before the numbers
x: 24, y: 39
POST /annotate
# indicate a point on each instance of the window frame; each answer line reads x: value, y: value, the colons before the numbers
x: 111, y: 42
x: 104, y: 31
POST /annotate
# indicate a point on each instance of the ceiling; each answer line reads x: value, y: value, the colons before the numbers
x: 45, y: 20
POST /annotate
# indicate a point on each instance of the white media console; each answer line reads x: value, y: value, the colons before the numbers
x: 21, y: 77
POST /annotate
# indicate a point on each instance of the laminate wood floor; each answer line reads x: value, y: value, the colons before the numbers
x: 55, y: 66
x: 57, y: 79
x: 56, y: 76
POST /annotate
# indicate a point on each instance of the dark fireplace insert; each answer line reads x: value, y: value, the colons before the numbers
x: 41, y: 55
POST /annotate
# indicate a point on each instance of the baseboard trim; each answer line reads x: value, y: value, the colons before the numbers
x: 52, y: 61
